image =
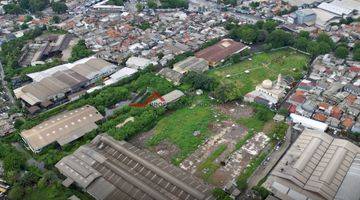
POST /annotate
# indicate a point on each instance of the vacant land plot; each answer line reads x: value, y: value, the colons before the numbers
x: 247, y: 74
x: 179, y: 128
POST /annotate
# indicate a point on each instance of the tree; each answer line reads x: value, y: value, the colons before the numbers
x: 313, y: 48
x: 55, y: 19
x: 220, y: 194
x: 356, y: 51
x: 16, y: 193
x: 280, y: 38
x: 59, y: 7
x: 139, y: 7
x: 38, y: 5
x: 174, y: 3
x: 324, y: 48
x: 27, y: 18
x: 341, y: 52
x: 246, y: 33
x: 254, y: 4
x: 270, y: 25
x: 226, y: 92
x: 228, y: 2
x: 13, y: 9
x: 301, y: 43
x: 24, y: 26
x: 304, y: 34
x: 199, y: 81
x: 116, y: 2
x: 24, y: 4
x: 323, y: 37
x: 80, y: 51
x: 356, y: 55
x: 152, y: 4
x: 261, y: 36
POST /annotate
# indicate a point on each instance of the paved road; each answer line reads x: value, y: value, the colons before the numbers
x: 275, y: 156
x: 4, y: 83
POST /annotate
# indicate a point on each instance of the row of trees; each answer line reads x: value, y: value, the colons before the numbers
x: 34, y: 6
x: 265, y: 32
x: 174, y: 3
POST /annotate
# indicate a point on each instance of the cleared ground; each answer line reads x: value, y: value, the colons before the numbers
x: 261, y: 66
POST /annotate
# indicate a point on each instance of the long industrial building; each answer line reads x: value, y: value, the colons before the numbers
x: 317, y: 167
x: 63, y: 128
x: 55, y: 84
x: 109, y: 169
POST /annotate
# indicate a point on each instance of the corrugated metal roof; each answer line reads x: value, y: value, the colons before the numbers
x: 127, y: 172
x: 62, y: 128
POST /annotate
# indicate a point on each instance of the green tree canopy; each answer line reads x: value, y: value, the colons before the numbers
x: 59, y: 7
x: 280, y: 38
x: 341, y: 52
x: 152, y: 4
x: 116, y: 2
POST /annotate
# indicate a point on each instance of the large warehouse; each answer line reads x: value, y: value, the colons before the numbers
x: 108, y: 169
x: 318, y: 167
x: 55, y: 84
x: 63, y: 128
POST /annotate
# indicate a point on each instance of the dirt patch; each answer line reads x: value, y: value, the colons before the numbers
x: 166, y: 150
x: 225, y: 132
x: 235, y: 110
x: 239, y: 160
x: 141, y: 139
x: 268, y: 127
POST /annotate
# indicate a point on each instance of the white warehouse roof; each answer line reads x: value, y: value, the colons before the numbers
x: 120, y: 74
x: 308, y: 123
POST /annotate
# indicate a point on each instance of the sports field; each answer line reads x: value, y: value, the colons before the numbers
x: 247, y: 74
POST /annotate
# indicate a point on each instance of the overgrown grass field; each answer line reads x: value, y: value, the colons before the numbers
x: 178, y: 128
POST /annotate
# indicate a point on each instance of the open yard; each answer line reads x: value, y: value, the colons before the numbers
x: 179, y: 127
x: 261, y: 66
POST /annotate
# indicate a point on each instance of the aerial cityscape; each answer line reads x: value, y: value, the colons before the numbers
x: 180, y: 99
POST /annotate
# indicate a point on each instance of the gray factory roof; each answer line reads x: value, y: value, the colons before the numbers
x: 314, y: 167
x: 108, y: 169
x: 62, y: 128
x: 349, y: 189
x: 191, y: 64
x: 58, y: 80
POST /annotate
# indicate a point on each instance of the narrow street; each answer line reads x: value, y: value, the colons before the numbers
x: 4, y: 83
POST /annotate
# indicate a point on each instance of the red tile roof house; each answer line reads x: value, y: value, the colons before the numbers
x: 220, y: 51
x: 347, y: 122
x: 336, y: 112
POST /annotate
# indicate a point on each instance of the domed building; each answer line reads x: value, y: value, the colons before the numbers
x: 268, y: 92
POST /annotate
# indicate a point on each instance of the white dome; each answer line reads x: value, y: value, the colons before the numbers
x: 267, y: 84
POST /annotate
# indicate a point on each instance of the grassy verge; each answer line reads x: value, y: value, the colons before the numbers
x: 243, y: 140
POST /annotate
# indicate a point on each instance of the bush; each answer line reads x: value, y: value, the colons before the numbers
x: 220, y: 194
x: 263, y: 192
